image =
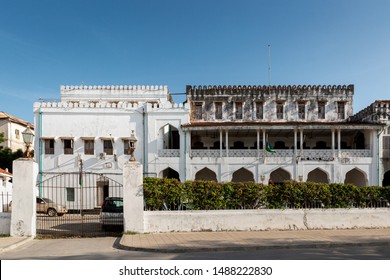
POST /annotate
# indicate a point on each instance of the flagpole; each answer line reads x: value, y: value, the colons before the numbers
x: 269, y: 65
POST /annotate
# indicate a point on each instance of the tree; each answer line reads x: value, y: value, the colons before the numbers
x: 1, y: 138
x: 7, y: 157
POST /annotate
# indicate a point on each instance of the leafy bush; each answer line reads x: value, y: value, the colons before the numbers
x: 170, y: 194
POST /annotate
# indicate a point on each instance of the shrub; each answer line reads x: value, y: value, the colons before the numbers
x: 170, y: 194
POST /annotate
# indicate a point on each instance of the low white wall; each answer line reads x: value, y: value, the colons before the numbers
x: 5, y: 223
x: 265, y: 219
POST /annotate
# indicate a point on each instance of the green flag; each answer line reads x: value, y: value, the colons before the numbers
x: 269, y: 148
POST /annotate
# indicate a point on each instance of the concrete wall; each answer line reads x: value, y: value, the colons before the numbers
x: 264, y: 219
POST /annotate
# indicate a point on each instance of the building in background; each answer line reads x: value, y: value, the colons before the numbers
x: 5, y: 189
x: 12, y: 128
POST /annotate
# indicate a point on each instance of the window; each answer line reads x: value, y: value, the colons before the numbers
x: 238, y: 110
x: 386, y: 146
x: 259, y: 110
x: 279, y: 111
x: 198, y: 111
x: 218, y: 110
x: 126, y: 147
x: 107, y: 147
x: 341, y: 110
x: 17, y: 133
x: 321, y: 110
x: 89, y: 147
x: 69, y: 194
x: 301, y: 110
x: 68, y: 146
x: 49, y: 146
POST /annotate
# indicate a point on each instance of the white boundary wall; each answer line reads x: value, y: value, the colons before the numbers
x: 265, y: 219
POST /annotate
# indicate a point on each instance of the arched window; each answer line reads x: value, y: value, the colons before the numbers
x: 206, y: 175
x: 169, y: 173
x: 386, y: 179
x: 318, y: 176
x: 279, y: 175
x: 243, y: 175
x: 356, y: 177
x: 170, y: 137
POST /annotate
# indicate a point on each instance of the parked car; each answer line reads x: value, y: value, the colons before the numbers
x: 47, y: 206
x: 111, y: 213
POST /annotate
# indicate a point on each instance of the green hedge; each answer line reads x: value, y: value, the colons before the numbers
x: 170, y: 194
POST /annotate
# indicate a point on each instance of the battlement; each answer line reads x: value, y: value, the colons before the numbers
x: 194, y: 91
x: 115, y: 93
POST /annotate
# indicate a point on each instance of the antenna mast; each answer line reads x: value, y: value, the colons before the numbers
x: 269, y: 65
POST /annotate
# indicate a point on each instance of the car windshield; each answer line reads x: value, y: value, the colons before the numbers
x: 47, y: 200
x: 112, y: 205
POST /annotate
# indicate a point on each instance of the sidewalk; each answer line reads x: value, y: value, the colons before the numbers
x: 9, y: 243
x: 253, y: 240
x: 177, y: 242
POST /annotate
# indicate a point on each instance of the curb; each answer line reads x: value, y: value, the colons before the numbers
x: 315, y: 245
x: 16, y: 244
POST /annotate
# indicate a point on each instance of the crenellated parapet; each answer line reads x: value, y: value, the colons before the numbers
x: 116, y: 93
x: 195, y: 92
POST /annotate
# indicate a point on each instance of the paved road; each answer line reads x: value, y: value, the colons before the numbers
x: 105, y: 248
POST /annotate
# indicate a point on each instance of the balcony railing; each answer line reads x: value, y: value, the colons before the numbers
x: 169, y: 153
x: 355, y: 153
x: 320, y: 155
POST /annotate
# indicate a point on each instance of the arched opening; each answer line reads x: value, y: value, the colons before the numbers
x: 359, y: 141
x: 279, y: 176
x: 386, y: 179
x: 170, y: 137
x: 206, y: 175
x: 318, y: 176
x: 238, y: 145
x: 356, y: 177
x: 243, y: 175
x: 217, y: 145
x: 169, y: 173
x: 280, y: 145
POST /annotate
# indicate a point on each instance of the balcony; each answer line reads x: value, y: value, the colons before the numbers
x: 315, y: 154
x: 169, y: 153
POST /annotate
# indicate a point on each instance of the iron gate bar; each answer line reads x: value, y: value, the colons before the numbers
x: 82, y: 193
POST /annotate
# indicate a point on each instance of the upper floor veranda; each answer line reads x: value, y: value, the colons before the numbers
x: 270, y: 103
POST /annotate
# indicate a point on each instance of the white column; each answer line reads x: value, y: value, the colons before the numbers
x: 264, y: 143
x: 227, y: 143
x: 220, y: 144
x: 24, y: 192
x: 333, y: 140
x: 258, y: 143
x: 133, y: 197
x: 339, y: 142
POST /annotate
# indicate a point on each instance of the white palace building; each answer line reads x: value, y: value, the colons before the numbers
x: 221, y: 133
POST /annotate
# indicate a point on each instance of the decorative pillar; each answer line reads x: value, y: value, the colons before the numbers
x: 133, y: 197
x: 24, y: 192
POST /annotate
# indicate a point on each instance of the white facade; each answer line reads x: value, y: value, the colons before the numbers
x: 104, y: 117
x: 308, y: 127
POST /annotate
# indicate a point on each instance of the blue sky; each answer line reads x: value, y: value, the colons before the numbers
x: 48, y: 43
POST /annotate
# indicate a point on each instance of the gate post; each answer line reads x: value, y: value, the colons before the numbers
x: 23, y: 215
x: 133, y: 197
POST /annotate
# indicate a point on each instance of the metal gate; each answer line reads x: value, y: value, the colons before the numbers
x: 69, y: 204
